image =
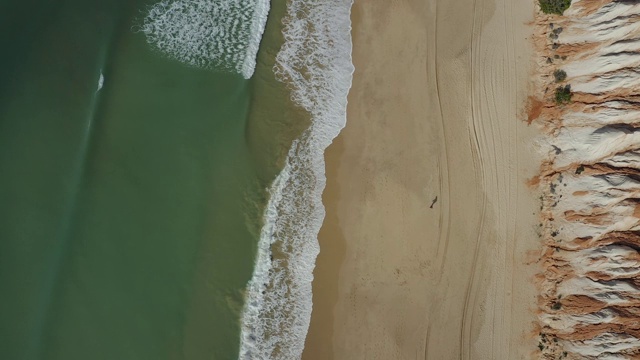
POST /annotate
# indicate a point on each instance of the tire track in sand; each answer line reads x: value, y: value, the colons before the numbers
x: 477, y: 287
x: 492, y: 134
x: 478, y: 166
x: 444, y: 221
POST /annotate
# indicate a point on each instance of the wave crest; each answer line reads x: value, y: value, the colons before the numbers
x: 210, y: 34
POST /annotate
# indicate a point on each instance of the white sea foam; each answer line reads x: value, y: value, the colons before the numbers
x: 100, y: 81
x: 315, y: 62
x: 211, y: 34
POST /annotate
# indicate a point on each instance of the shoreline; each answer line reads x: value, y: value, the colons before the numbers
x: 332, y: 254
x: 276, y: 316
x: 436, y: 111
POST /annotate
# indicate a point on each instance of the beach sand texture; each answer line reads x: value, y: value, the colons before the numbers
x: 436, y: 111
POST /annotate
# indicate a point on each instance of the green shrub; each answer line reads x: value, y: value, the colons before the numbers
x: 554, y: 6
x: 560, y: 75
x: 563, y: 94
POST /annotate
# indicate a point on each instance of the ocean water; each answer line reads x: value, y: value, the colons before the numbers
x: 156, y: 173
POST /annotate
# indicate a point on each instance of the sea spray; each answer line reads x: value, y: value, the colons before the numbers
x: 211, y: 34
x: 315, y: 63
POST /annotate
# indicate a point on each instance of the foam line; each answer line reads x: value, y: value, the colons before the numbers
x: 315, y: 63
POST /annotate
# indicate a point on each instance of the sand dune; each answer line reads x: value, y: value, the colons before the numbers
x: 590, y: 294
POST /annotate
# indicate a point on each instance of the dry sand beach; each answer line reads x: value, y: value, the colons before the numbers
x: 436, y: 111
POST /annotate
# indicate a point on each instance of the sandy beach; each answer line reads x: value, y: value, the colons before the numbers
x: 429, y: 245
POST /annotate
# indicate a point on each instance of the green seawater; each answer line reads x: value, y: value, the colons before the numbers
x: 129, y: 217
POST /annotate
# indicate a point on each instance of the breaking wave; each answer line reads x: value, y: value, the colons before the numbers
x: 315, y: 62
x: 211, y: 34
x: 590, y: 287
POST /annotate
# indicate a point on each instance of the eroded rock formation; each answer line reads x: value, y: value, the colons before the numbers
x: 590, y: 181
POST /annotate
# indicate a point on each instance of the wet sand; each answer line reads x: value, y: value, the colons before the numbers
x: 436, y: 110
